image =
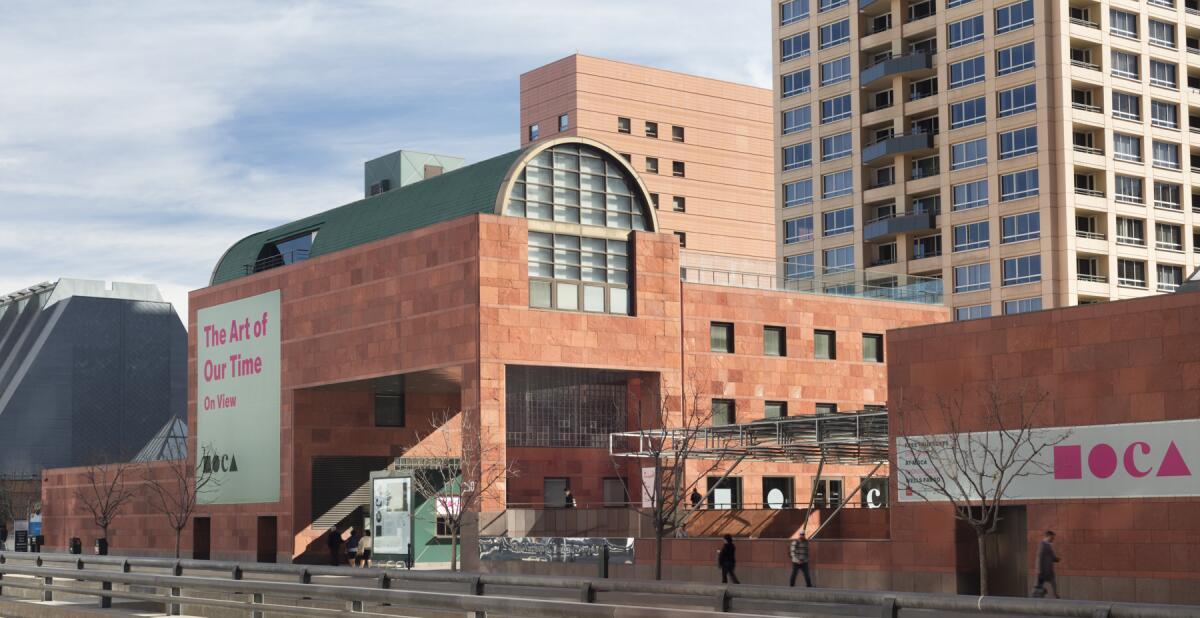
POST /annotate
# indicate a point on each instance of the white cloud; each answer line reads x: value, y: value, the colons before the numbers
x: 138, y: 140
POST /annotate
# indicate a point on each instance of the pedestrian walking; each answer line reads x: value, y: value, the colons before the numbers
x: 696, y: 498
x: 799, y: 554
x: 334, y: 540
x: 352, y: 547
x: 727, y: 561
x: 364, y: 551
x: 1045, y: 566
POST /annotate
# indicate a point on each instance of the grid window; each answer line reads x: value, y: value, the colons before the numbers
x: 1023, y: 305
x: 1018, y: 100
x: 720, y: 337
x: 836, y: 184
x: 797, y: 119
x: 723, y: 412
x: 798, y: 266
x: 835, y: 108
x: 798, y: 193
x: 1163, y: 74
x: 974, y: 312
x: 836, y: 146
x: 774, y: 341
x: 1018, y: 142
x: 571, y: 273
x: 1016, y: 228
x: 1166, y: 155
x: 825, y: 344
x: 835, y: 33
x: 1166, y: 196
x: 1131, y: 273
x: 1131, y: 232
x: 967, y: 113
x: 1162, y: 33
x: 1015, y: 58
x: 1126, y: 106
x: 563, y: 406
x: 829, y: 5
x: 971, y: 236
x: 1123, y: 23
x: 1168, y: 236
x: 1024, y: 269
x: 969, y: 195
x: 1164, y: 114
x: 795, y: 83
x: 797, y: 156
x: 966, y: 72
x: 968, y: 154
x: 836, y: 222
x: 965, y: 32
x: 797, y: 230
x: 838, y: 259
x: 1018, y: 185
x: 835, y: 71
x: 577, y: 184
x: 1127, y: 147
x: 1169, y: 277
x: 1014, y: 16
x: 792, y: 11
x: 972, y: 277
x: 872, y: 348
x: 794, y: 47
x: 1126, y: 65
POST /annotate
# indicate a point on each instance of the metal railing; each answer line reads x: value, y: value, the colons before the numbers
x: 843, y: 282
x: 1089, y: 235
x: 1085, y: 65
x: 468, y: 592
x: 1088, y: 150
x: 1088, y: 192
x: 1085, y: 23
x: 1092, y: 278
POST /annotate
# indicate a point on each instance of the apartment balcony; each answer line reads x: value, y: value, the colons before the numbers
x: 867, y: 5
x: 904, y: 223
x: 918, y: 61
x: 897, y: 144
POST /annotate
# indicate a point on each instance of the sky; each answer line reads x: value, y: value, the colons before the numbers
x: 138, y: 140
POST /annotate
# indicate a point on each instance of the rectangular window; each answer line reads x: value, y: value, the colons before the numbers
x: 872, y: 348
x: 1123, y: 24
x: 1024, y: 269
x: 775, y: 409
x: 682, y: 236
x: 837, y: 222
x: 720, y: 337
x: 679, y: 203
x: 971, y: 236
x: 1126, y: 65
x: 1164, y: 114
x: 1018, y: 185
x: 965, y: 155
x: 1131, y: 273
x: 953, y: 3
x: 1126, y: 106
x: 1169, y: 237
x: 797, y: 156
x: 1014, y: 16
x: 836, y: 146
x: 1166, y: 196
x: 927, y: 246
x: 825, y: 344
x: 967, y: 113
x: 826, y: 408
x: 829, y: 5
x: 1025, y: 226
x: 533, y: 132
x: 679, y: 169
x: 797, y: 119
x: 1015, y: 58
x: 1169, y: 277
x: 794, y: 47
x: 564, y: 122
x: 723, y: 412
x: 969, y: 195
x: 835, y: 108
x: 972, y: 277
x: 797, y: 230
x: 965, y: 32
x: 798, y: 193
x: 1131, y: 232
x: 571, y: 273
x: 838, y: 259
x: 837, y: 184
x: 389, y: 408
x: 922, y: 89
x: 966, y: 72
x: 1024, y: 305
x: 1166, y: 155
x: 974, y: 312
x: 795, y: 83
x: 1162, y: 33
x: 623, y: 125
x: 1163, y: 74
x: 1127, y: 147
x: 798, y: 266
x: 835, y: 71
x: 652, y: 129
x: 651, y: 165
x: 774, y: 341
x: 614, y: 493
x: 1018, y: 100
x: 676, y: 133
x: 1018, y: 142
x: 835, y: 33
x: 792, y: 11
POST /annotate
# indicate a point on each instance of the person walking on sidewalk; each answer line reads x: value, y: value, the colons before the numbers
x: 1045, y: 566
x: 799, y: 554
x: 727, y: 560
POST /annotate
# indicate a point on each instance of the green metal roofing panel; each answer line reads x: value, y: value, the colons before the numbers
x: 468, y: 190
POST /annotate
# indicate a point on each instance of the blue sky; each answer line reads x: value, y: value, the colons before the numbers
x: 139, y: 139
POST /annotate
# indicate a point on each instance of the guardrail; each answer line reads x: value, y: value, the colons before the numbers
x: 473, y: 586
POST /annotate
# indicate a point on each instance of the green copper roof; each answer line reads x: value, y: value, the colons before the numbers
x: 468, y: 190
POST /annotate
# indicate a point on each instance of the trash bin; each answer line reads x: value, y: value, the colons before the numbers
x: 75, y: 546
x: 101, y: 547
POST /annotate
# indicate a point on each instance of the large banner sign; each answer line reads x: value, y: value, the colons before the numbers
x: 1133, y: 460
x: 237, y: 400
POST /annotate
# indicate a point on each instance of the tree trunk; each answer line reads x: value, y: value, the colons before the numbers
x: 454, y: 548
x: 983, y: 567
x: 658, y: 546
x: 178, y: 536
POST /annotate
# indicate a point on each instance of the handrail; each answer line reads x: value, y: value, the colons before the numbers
x: 473, y: 598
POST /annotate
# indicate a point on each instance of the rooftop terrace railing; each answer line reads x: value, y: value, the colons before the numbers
x: 832, y: 282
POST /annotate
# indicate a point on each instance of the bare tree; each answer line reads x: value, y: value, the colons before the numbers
x: 177, y: 490
x: 19, y: 497
x: 460, y: 471
x: 938, y: 460
x: 105, y: 491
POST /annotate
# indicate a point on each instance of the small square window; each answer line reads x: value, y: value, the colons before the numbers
x: 564, y: 122
x: 775, y: 409
x: 872, y: 348
x: 682, y: 238
x: 723, y: 412
x: 677, y: 133
x: 679, y: 204
x: 623, y: 125
x: 774, y: 341
x: 654, y: 199
x: 614, y: 492
x: 651, y: 129
x: 825, y: 344
x: 533, y: 132
x: 651, y: 165
x: 826, y: 408
x: 677, y: 169
x: 628, y: 157
x: 720, y: 335
x: 389, y: 410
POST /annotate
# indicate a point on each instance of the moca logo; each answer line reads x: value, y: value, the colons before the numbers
x: 210, y: 464
x: 1102, y: 461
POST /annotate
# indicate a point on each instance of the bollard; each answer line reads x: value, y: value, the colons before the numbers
x: 79, y: 564
x: 236, y: 574
x: 257, y: 599
x: 888, y: 609
x: 175, y: 609
x: 125, y: 567
x: 587, y: 594
x: 105, y: 601
x: 177, y: 570
x: 604, y: 561
x: 722, y: 604
x: 47, y: 595
x: 305, y: 577
x: 475, y: 586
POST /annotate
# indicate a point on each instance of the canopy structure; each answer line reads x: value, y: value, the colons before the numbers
x: 843, y: 438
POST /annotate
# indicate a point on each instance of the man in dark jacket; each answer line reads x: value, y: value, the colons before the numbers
x: 799, y: 554
x: 727, y: 560
x: 334, y: 540
x: 3, y: 536
x: 1045, y: 566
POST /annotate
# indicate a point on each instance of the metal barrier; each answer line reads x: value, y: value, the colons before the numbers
x: 473, y: 586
